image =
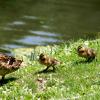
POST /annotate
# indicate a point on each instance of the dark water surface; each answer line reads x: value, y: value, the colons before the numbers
x: 25, y: 23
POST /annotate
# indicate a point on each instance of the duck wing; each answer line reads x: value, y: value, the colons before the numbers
x: 15, y: 65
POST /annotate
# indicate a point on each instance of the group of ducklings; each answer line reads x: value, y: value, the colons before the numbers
x: 88, y: 53
x: 10, y: 64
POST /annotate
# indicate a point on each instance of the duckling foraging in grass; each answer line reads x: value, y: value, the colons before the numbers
x: 8, y: 64
x: 48, y: 61
x: 86, y: 52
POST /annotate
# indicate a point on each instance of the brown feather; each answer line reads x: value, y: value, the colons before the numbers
x: 8, y: 64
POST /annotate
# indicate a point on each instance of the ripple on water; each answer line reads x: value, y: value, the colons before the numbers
x: 17, y: 23
x: 30, y: 17
x: 45, y: 27
x: 44, y: 33
x: 7, y: 28
x: 11, y: 29
x: 37, y: 40
x: 12, y: 46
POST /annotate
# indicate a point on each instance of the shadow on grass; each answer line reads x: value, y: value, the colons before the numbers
x: 5, y: 81
x: 45, y: 71
x: 96, y: 83
x: 82, y: 62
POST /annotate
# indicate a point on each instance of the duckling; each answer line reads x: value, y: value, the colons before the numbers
x: 48, y: 61
x: 8, y: 64
x: 86, y: 52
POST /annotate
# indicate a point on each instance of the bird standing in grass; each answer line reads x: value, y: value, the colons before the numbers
x: 8, y: 64
x: 48, y: 61
x: 86, y: 52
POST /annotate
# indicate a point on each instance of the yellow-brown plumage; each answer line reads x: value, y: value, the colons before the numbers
x: 86, y: 52
x: 48, y: 61
x: 8, y: 64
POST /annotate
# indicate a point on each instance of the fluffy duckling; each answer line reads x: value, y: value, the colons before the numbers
x: 48, y: 61
x: 8, y: 64
x: 86, y: 52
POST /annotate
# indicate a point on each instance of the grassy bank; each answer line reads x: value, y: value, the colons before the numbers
x: 73, y: 79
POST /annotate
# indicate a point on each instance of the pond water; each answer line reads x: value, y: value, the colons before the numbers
x: 26, y: 23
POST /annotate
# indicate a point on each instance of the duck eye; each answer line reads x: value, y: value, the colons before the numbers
x: 81, y: 51
x: 43, y: 59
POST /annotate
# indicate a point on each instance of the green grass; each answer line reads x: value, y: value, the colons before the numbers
x: 72, y: 79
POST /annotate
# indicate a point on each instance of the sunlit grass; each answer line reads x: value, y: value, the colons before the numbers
x: 72, y: 79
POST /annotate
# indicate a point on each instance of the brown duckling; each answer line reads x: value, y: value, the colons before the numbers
x: 8, y: 64
x: 48, y: 61
x: 86, y: 52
